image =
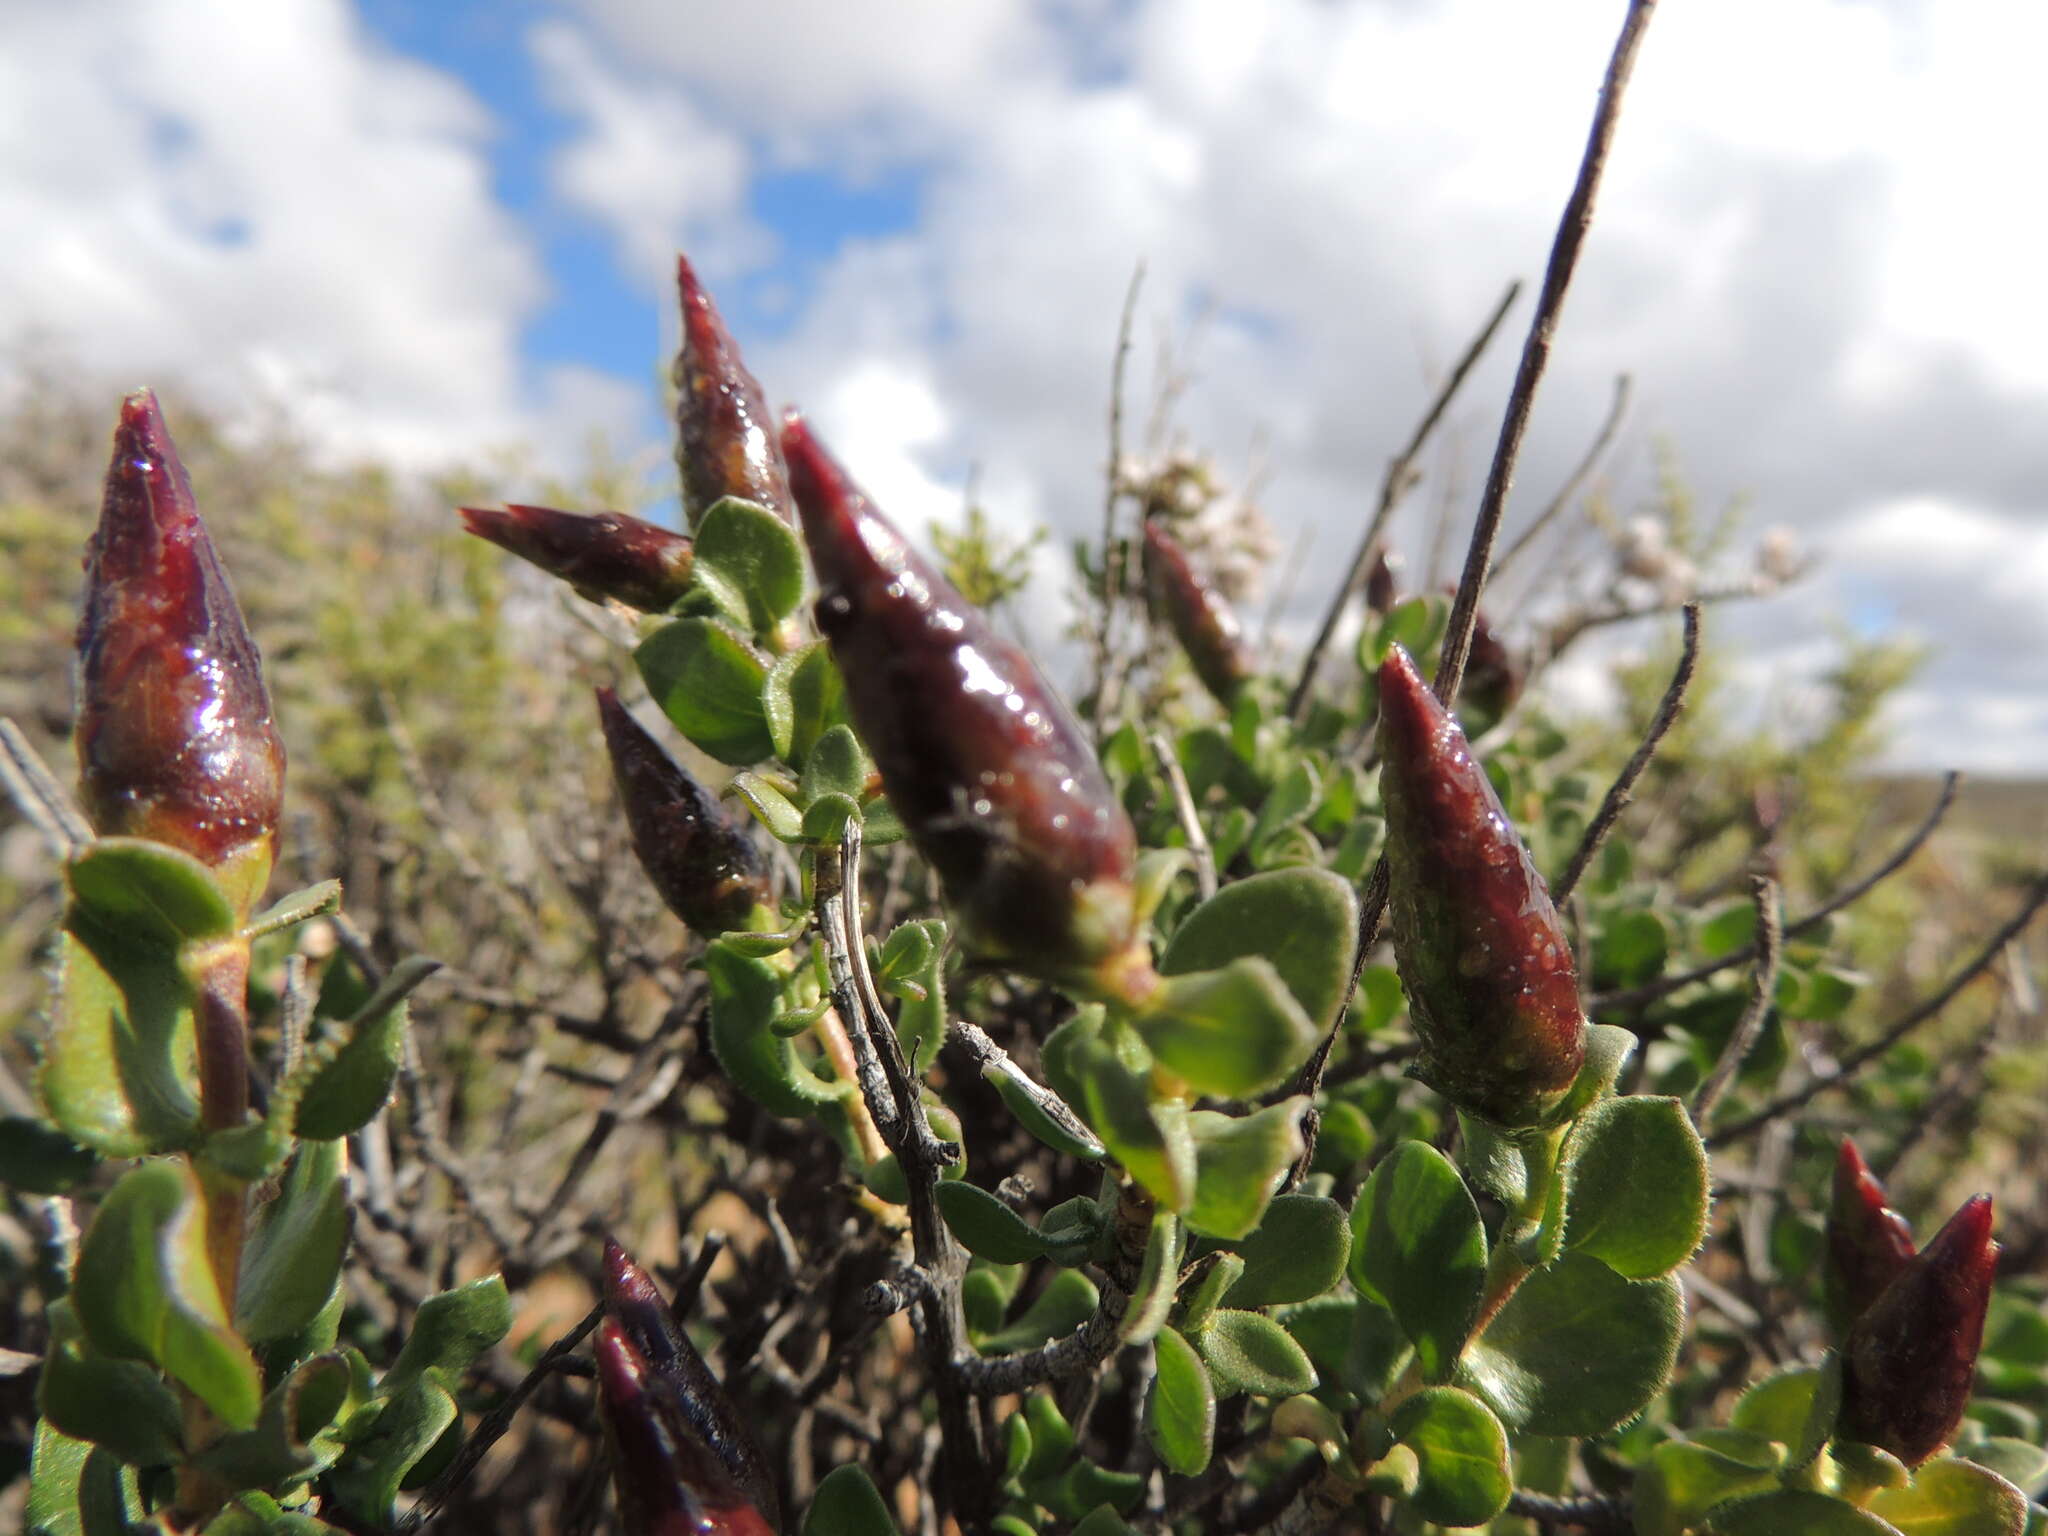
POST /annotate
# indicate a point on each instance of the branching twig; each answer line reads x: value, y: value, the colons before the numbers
x: 1400, y: 476
x: 1557, y: 276
x: 1618, y: 796
x: 1649, y: 992
x: 1577, y: 478
x: 493, y: 1426
x: 1763, y: 985
x: 899, y: 1115
x: 1860, y: 1058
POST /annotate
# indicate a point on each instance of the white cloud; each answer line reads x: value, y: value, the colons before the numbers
x: 648, y: 163
x: 259, y: 203
x: 1809, y: 252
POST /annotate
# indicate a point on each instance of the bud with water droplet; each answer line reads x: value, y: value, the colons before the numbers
x: 1491, y: 984
x: 601, y: 554
x: 992, y: 777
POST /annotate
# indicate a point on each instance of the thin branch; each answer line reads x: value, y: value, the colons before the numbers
x: 1649, y: 992
x: 1372, y: 912
x: 1112, y: 558
x: 893, y: 1101
x: 1557, y: 276
x: 1401, y: 474
x: 1624, y: 786
x: 1574, y: 481
x: 1184, y: 808
x: 1860, y: 1058
x: 1572, y: 625
x: 35, y: 790
x: 494, y: 1424
x: 1763, y: 986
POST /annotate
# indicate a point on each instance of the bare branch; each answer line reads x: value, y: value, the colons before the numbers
x: 1649, y: 992
x: 1860, y: 1058
x: 1593, y: 1513
x: 35, y: 790
x: 1112, y: 559
x: 1624, y: 786
x: 1763, y: 986
x: 1557, y: 276
x: 1578, y: 477
x: 1184, y: 808
x: 494, y: 1424
x: 1401, y: 474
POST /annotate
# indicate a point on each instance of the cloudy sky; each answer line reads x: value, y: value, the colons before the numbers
x: 429, y: 229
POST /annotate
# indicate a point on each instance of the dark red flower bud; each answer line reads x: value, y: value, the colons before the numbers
x: 175, y: 740
x: 994, y: 780
x: 669, y: 1483
x: 1911, y: 1358
x: 1201, y: 620
x: 675, y: 1370
x: 1868, y: 1243
x: 1383, y: 581
x: 703, y: 866
x: 600, y: 554
x: 1488, y: 970
x: 725, y: 437
x: 1493, y: 677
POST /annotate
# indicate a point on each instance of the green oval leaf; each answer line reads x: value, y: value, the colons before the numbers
x: 120, y: 1072
x: 771, y: 807
x: 1638, y: 1186
x: 1303, y: 922
x: 1232, y: 1032
x: 145, y: 1290
x: 1790, y: 1511
x: 1577, y: 1349
x: 1682, y: 1481
x: 149, y: 892
x: 846, y: 1504
x: 756, y: 555
x: 1249, y: 1352
x: 120, y: 1404
x: 1298, y: 1251
x: 709, y: 685
x: 1461, y: 1453
x: 348, y: 1079
x: 1067, y: 1302
x: 1419, y: 1247
x: 986, y: 1227
x: 1954, y: 1498
x: 451, y: 1330
x: 1180, y: 1415
x: 746, y: 1000
x: 295, y: 1246
x: 802, y: 697
x: 1239, y: 1162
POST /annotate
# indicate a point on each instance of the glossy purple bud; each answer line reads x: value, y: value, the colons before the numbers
x: 668, y: 1482
x: 601, y: 554
x: 678, y: 1372
x: 1491, y: 985
x: 175, y: 738
x: 703, y: 866
x: 726, y: 442
x: 1868, y: 1243
x: 1200, y: 618
x: 1910, y: 1361
x: 995, y: 781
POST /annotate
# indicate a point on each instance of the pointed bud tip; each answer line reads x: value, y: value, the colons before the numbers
x: 1967, y: 1237
x: 621, y: 1369
x: 1408, y: 709
x: 625, y: 1282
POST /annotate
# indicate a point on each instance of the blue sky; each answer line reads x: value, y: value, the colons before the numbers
x: 428, y: 232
